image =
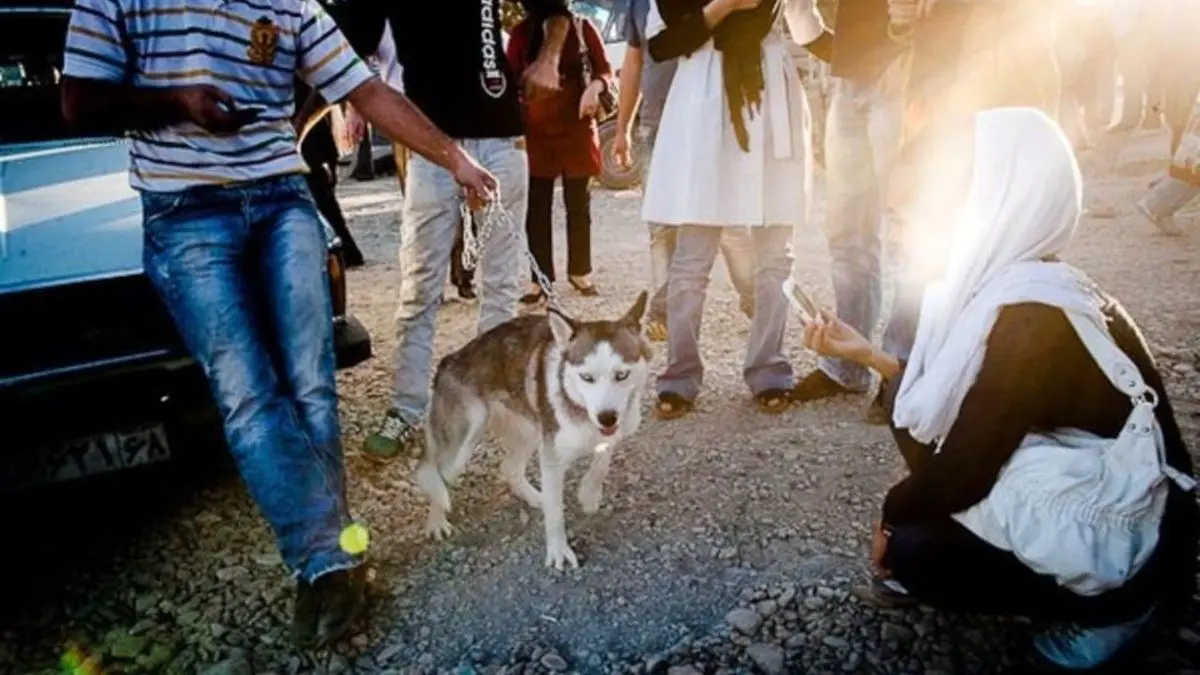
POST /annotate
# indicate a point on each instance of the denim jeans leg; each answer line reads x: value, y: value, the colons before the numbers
x: 691, y: 270
x: 500, y: 279
x: 662, y: 249
x: 1169, y: 196
x: 737, y: 249
x: 298, y: 304
x: 855, y: 218
x: 427, y: 229
x: 766, y: 366
x: 195, y: 249
x: 901, y: 330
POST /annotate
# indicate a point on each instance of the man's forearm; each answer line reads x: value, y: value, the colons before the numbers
x: 95, y: 107
x: 631, y: 89
x: 403, y: 122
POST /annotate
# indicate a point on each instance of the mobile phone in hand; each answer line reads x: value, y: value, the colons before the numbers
x: 802, y: 304
x: 248, y: 114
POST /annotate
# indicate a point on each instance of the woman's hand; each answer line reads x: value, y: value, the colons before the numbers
x: 745, y: 4
x: 830, y: 336
x: 589, y: 103
x: 879, y: 543
x: 623, y: 150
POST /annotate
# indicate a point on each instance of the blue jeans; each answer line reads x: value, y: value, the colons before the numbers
x: 862, y: 139
x: 241, y: 269
x: 432, y: 214
x: 765, y: 366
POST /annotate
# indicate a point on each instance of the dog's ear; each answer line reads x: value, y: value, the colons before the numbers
x: 562, y: 326
x: 636, y: 313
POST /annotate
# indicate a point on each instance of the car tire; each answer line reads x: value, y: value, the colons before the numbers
x: 612, y: 175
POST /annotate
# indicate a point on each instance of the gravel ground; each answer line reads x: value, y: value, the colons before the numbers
x: 727, y: 542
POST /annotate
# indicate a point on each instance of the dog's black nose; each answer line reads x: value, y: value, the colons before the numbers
x: 607, y: 418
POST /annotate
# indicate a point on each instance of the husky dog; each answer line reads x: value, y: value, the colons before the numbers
x: 567, y: 389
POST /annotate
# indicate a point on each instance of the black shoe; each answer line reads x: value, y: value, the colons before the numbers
x: 465, y: 292
x: 882, y: 594
x: 818, y: 386
x: 327, y: 608
x: 533, y: 298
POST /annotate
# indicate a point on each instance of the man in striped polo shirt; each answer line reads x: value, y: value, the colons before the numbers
x: 233, y: 242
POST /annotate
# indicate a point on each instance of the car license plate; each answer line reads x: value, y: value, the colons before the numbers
x: 106, y: 452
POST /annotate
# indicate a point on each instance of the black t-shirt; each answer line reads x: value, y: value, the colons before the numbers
x: 862, y: 50
x: 452, y: 53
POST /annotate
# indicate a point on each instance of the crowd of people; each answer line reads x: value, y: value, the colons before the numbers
x: 954, y: 121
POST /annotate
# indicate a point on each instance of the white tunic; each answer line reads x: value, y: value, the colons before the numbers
x: 699, y: 175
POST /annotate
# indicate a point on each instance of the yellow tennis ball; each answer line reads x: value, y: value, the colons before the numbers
x: 355, y: 539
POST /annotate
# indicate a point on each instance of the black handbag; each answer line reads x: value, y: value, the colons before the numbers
x: 608, y: 97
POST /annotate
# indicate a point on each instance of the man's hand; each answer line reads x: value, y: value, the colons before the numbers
x: 209, y: 107
x: 479, y: 186
x: 623, y: 150
x: 353, y: 129
x: 589, y: 103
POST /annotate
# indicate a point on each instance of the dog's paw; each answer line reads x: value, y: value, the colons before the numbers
x: 437, y: 527
x: 559, y: 554
x: 590, y: 494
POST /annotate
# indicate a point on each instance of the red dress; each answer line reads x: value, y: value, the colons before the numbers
x: 557, y: 141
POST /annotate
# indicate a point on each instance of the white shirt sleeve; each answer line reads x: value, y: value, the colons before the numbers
x: 389, y: 67
x: 654, y: 22
x: 803, y: 20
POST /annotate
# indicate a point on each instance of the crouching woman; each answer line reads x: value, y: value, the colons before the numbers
x: 1047, y: 474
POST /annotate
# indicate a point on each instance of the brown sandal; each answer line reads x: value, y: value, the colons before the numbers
x: 673, y: 406
x: 773, y: 401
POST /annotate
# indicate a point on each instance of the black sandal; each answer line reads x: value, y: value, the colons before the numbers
x: 773, y: 401
x: 533, y: 298
x: 672, y: 406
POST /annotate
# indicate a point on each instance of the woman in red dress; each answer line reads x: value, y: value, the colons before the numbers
x: 562, y: 141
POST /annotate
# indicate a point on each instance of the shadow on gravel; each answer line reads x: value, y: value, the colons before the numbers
x: 60, y: 539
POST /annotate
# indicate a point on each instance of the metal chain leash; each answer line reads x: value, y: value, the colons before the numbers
x: 493, y: 215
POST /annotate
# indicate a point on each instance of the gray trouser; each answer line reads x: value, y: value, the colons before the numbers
x: 735, y: 248
x: 765, y: 367
x: 432, y: 204
x: 1169, y: 195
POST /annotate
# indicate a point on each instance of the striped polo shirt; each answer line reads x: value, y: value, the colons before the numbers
x: 251, y: 49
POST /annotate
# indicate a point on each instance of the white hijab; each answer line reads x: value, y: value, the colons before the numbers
x: 1023, y: 206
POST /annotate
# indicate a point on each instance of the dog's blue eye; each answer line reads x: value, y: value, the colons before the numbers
x: 621, y: 375
x: 587, y: 378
